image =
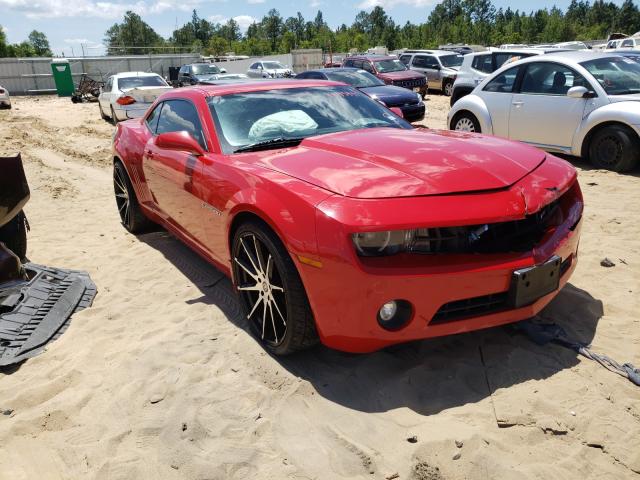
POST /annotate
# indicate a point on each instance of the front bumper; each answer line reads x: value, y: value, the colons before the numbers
x: 413, y: 113
x: 347, y: 292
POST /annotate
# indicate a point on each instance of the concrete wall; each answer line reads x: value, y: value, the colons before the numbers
x: 31, y: 76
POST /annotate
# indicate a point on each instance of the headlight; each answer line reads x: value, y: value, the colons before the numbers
x: 374, y: 244
x: 419, y: 97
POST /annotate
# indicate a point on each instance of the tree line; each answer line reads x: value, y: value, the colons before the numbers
x: 36, y: 45
x: 450, y: 21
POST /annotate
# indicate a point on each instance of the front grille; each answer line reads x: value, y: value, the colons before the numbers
x: 515, y: 236
x: 416, y: 82
x: 403, y: 104
x: 470, y: 307
x: 483, y: 305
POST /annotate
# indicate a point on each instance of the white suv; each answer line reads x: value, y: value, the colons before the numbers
x: 478, y: 66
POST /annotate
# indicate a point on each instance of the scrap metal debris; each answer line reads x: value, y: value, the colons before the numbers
x: 605, y: 262
x: 543, y: 333
x: 37, y: 308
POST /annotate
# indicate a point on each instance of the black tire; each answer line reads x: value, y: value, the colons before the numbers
x: 289, y: 325
x: 615, y: 148
x: 465, y: 119
x: 14, y: 235
x: 102, y: 115
x: 447, y: 88
x: 114, y: 119
x: 129, y: 210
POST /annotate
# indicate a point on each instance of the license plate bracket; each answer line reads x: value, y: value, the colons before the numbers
x: 531, y: 283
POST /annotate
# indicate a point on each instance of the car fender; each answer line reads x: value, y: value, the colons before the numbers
x: 625, y: 113
x: 288, y: 208
x: 474, y: 104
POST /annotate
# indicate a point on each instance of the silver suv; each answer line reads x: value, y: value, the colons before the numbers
x: 440, y: 67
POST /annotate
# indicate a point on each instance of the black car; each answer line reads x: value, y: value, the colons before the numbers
x: 195, y: 73
x: 409, y: 102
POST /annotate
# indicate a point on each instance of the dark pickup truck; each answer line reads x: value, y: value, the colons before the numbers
x: 390, y: 70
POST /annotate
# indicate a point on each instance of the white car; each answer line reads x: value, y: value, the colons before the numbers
x: 584, y: 104
x: 5, y: 100
x: 269, y: 69
x: 129, y: 94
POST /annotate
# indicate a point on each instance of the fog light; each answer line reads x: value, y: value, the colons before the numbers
x: 388, y: 310
x: 395, y: 314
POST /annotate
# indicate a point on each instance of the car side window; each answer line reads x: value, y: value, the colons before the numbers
x: 627, y: 43
x: 367, y: 66
x: 253, y: 66
x: 152, y: 119
x: 178, y: 116
x: 405, y: 59
x: 356, y: 63
x: 420, y: 61
x: 108, y: 85
x: 430, y: 62
x: 546, y: 78
x: 504, y: 82
x: 348, y: 63
x: 482, y: 63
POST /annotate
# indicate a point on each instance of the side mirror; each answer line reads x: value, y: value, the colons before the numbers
x: 580, y: 92
x: 259, y: 67
x: 180, y: 141
x: 397, y: 111
x: 223, y: 70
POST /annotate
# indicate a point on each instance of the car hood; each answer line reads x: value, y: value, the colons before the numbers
x: 401, y: 75
x: 390, y: 95
x: 387, y: 162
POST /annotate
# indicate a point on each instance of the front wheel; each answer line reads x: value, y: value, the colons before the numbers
x: 271, y: 291
x: 465, y: 122
x: 614, y: 148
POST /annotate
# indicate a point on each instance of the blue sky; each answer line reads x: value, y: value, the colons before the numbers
x: 70, y: 24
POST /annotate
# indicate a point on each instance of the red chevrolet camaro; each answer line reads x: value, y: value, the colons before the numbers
x: 338, y: 221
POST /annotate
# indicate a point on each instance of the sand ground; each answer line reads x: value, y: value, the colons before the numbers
x: 161, y: 379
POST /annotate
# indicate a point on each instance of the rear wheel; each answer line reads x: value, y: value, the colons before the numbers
x: 448, y: 88
x: 615, y: 148
x: 129, y: 210
x: 114, y: 119
x: 271, y: 291
x: 465, y: 122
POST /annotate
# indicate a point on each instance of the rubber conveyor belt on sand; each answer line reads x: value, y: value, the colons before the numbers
x: 37, y: 311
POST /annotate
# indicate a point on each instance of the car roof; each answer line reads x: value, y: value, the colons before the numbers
x: 337, y: 69
x: 373, y: 57
x: 244, y: 86
x: 573, y: 57
x: 135, y: 74
x: 435, y: 52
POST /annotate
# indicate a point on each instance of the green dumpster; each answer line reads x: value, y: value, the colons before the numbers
x: 62, y: 76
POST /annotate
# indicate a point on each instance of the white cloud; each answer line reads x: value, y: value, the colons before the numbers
x: 243, y: 21
x: 93, y: 8
x: 388, y: 4
x: 315, y: 3
x: 254, y: 2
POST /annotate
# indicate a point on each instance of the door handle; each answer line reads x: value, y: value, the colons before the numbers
x: 518, y: 104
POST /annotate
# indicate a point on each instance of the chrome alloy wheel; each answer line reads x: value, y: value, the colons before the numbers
x: 122, y: 197
x: 259, y: 285
x: 465, y: 124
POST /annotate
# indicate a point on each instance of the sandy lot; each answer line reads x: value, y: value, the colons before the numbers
x: 161, y: 379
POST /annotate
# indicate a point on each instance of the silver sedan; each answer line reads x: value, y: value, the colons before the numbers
x: 584, y: 104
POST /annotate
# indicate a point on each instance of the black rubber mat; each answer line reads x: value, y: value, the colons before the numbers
x: 37, y: 311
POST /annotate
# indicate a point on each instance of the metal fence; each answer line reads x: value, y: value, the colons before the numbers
x: 32, y: 76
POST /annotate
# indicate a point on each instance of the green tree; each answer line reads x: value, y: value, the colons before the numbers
x: 132, y: 36
x: 40, y: 44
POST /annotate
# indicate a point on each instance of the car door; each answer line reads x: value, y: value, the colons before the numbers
x: 497, y: 95
x: 170, y: 174
x: 428, y: 64
x: 105, y: 96
x: 541, y: 111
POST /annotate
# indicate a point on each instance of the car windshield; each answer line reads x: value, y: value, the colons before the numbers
x: 272, y: 65
x: 451, y: 60
x: 384, y: 66
x: 358, y: 79
x: 617, y: 75
x: 205, y: 69
x: 146, y: 81
x: 249, y: 118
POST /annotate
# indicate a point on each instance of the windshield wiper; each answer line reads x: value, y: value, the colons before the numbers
x: 271, y: 143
